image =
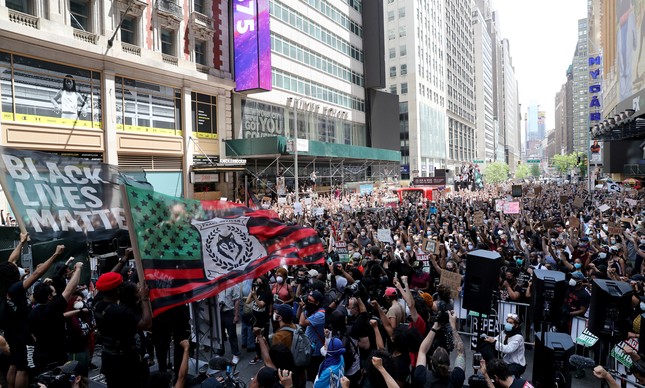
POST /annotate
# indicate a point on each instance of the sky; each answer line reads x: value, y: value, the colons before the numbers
x: 543, y: 36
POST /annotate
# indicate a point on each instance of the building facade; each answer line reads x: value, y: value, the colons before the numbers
x: 581, y: 90
x: 485, y: 123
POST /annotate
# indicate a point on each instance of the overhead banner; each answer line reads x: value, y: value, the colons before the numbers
x: 252, y: 45
x: 63, y: 197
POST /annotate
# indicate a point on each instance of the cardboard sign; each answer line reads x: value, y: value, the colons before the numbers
x: 512, y: 207
x: 297, y: 208
x: 452, y: 280
x: 430, y: 246
x: 574, y: 222
x: 282, y: 200
x: 614, y: 228
x: 385, y: 235
x: 632, y: 193
x: 319, y: 211
x: 307, y: 201
x: 631, y: 202
x: 619, y: 354
x: 479, y: 218
x: 537, y: 190
x: 564, y: 199
x: 604, y: 208
x: 578, y: 203
x: 587, y: 339
x: 499, y: 205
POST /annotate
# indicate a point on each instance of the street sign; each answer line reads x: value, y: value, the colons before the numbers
x: 478, y: 161
x: 533, y: 161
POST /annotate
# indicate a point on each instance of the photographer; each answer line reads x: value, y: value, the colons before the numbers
x: 70, y: 375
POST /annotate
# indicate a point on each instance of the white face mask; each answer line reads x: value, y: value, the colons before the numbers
x: 602, y: 255
x: 275, y: 316
x: 279, y: 279
x: 323, y: 351
x: 643, y: 241
x: 572, y: 282
x: 363, y: 234
x: 78, y: 305
x: 642, y: 306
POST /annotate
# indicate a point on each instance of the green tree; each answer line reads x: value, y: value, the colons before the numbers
x: 562, y: 163
x: 566, y: 163
x: 535, y: 170
x: 496, y: 172
x: 522, y: 171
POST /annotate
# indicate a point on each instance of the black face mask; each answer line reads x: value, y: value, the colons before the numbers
x: 310, y: 307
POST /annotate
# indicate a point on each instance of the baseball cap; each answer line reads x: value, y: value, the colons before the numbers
x: 217, y: 364
x: 72, y: 368
x: 427, y: 298
x: 356, y: 255
x: 313, y: 273
x: 578, y: 275
x: 638, y: 278
x: 267, y: 377
x: 284, y: 310
x: 317, y: 295
x: 390, y: 291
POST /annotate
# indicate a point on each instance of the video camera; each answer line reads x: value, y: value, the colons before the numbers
x: 54, y: 379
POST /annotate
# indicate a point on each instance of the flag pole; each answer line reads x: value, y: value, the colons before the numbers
x: 133, y: 235
x: 12, y: 203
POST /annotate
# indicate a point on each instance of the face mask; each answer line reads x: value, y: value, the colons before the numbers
x: 602, y: 255
x: 275, y: 316
x: 362, y: 234
x: 279, y: 279
x: 577, y: 265
x: 323, y: 352
x: 310, y: 306
x: 642, y: 306
x: 78, y: 305
x: 572, y: 282
x: 508, y: 326
x: 408, y: 248
x: 396, y: 238
x: 470, y: 247
x: 86, y: 294
x: 643, y: 241
x: 612, y: 241
x: 519, y: 262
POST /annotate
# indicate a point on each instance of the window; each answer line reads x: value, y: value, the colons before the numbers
x: 167, y: 40
x: 24, y: 6
x: 392, y: 53
x: 198, y: 6
x: 200, y: 52
x: 204, y: 114
x: 390, y: 16
x: 391, y: 35
x: 403, y: 51
x: 128, y: 29
x: 402, y: 32
x: 401, y: 12
x: 393, y: 71
x: 79, y: 14
x: 404, y: 69
x: 393, y: 89
x: 404, y: 88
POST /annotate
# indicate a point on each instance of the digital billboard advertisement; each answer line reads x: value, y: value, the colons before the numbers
x: 252, y: 45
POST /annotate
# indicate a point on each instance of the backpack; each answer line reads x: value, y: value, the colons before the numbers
x: 301, y: 348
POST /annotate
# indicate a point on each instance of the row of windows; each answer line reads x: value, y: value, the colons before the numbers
x: 404, y: 88
x: 303, y: 24
x: 337, y: 16
x: 403, y: 51
x: 404, y: 70
x: 301, y: 85
x: 302, y: 54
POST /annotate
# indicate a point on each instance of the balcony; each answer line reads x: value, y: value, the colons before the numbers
x: 169, y: 8
x: 201, y: 26
x: 202, y: 68
x: 24, y: 19
x: 131, y: 49
x: 170, y: 59
x: 85, y: 36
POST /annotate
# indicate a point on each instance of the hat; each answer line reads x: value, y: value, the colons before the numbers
x: 267, y: 377
x: 335, y: 346
x: 341, y: 283
x: 427, y: 298
x: 613, y: 249
x: 72, y: 368
x: 390, y: 291
x: 109, y: 281
x: 313, y: 273
x: 210, y: 382
x: 585, y: 239
x: 217, y: 364
x: 283, y: 310
x: 356, y: 255
x: 638, y: 278
x: 577, y: 275
x: 317, y: 295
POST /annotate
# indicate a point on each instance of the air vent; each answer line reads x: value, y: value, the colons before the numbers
x: 150, y: 162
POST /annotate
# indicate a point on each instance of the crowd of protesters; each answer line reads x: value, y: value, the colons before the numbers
x: 373, y: 315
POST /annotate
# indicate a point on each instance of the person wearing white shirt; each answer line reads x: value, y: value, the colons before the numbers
x: 511, y: 344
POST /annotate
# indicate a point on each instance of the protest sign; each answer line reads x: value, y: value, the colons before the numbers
x: 631, y: 202
x: 282, y: 200
x: 604, y: 208
x: 512, y: 207
x: 341, y: 249
x: 319, y: 211
x: 297, y: 208
x: 574, y: 222
x: 619, y: 354
x: 587, y: 339
x: 614, y: 228
x: 307, y: 201
x: 384, y: 235
x: 452, y: 280
x: 537, y: 190
x: 564, y: 199
x: 430, y: 246
x: 578, y: 202
x: 479, y: 218
x: 499, y: 205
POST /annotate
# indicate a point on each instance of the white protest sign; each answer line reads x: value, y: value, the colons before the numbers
x: 319, y: 211
x: 282, y: 200
x: 307, y: 201
x: 604, y: 208
x: 297, y: 208
x: 384, y: 235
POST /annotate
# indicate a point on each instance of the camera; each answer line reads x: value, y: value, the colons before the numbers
x: 354, y: 289
x: 53, y: 379
x: 442, y: 316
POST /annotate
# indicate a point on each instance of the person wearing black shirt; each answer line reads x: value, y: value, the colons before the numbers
x: 117, y: 324
x: 497, y: 374
x: 46, y: 322
x: 260, y: 299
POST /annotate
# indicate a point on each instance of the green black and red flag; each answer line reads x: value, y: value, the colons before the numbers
x: 191, y: 250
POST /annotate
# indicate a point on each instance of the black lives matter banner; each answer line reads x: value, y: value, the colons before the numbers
x: 63, y: 197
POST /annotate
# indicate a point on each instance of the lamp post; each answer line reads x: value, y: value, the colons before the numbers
x: 296, y: 102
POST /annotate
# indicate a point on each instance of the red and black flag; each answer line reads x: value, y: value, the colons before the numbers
x: 191, y: 250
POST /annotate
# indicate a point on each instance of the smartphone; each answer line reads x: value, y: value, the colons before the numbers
x: 477, y: 357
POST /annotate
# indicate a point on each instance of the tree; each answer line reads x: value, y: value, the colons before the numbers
x: 565, y: 163
x: 496, y: 172
x: 522, y: 171
x: 535, y: 170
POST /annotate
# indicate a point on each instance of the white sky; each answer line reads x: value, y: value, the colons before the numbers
x: 543, y: 36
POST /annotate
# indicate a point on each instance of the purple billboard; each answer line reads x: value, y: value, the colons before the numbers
x: 252, y: 45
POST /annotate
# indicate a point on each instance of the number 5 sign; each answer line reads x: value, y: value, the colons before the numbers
x: 252, y: 44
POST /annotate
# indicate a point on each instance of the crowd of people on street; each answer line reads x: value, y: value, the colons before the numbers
x: 374, y: 314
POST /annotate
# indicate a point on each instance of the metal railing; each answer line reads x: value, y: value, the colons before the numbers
x: 634, y: 169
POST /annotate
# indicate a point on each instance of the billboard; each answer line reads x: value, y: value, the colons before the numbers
x: 252, y: 45
x: 629, y: 45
